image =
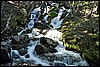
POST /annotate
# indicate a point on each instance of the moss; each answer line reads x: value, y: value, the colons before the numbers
x: 52, y: 14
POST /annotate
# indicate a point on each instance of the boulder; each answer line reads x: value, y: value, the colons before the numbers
x: 47, y: 42
x: 40, y: 49
x: 5, y: 57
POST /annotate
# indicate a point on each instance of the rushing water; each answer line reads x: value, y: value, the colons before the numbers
x: 68, y: 58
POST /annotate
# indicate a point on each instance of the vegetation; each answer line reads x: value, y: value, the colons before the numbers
x: 81, y: 32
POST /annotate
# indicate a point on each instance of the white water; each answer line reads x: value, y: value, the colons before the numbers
x: 33, y: 56
x: 54, y: 34
x: 46, y: 10
x: 70, y: 58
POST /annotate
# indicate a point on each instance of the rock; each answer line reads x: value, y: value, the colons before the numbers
x: 24, y: 64
x: 52, y: 50
x: 34, y: 39
x: 47, y: 42
x: 39, y: 64
x: 59, y: 64
x: 14, y: 55
x: 49, y: 56
x: 27, y: 56
x: 17, y: 39
x: 5, y: 57
x: 40, y: 49
x: 77, y: 59
x: 16, y: 46
x: 6, y: 46
x: 29, y: 31
x: 14, y: 41
x: 19, y: 29
x: 22, y: 51
x: 41, y: 26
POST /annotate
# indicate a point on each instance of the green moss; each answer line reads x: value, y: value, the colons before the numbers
x: 52, y: 14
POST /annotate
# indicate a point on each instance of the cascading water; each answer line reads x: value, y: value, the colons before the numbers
x: 62, y: 56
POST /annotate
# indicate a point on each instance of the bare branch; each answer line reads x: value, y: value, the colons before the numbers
x: 7, y: 25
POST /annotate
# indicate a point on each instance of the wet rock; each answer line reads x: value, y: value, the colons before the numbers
x: 39, y: 64
x: 58, y: 64
x: 6, y: 46
x: 77, y: 59
x: 40, y: 49
x: 14, y: 55
x: 23, y: 62
x: 52, y: 50
x: 34, y: 39
x: 49, y: 56
x: 16, y: 39
x: 22, y: 51
x: 48, y: 42
x: 41, y: 26
x: 16, y: 46
x: 27, y: 56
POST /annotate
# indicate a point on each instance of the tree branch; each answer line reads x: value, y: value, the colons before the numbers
x: 7, y: 25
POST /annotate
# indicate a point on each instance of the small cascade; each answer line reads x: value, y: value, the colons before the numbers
x: 46, y: 10
x: 59, y: 56
x: 54, y: 34
x: 32, y: 53
x: 56, y: 22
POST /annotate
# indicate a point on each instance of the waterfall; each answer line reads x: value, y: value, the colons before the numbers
x: 63, y: 56
x: 33, y: 56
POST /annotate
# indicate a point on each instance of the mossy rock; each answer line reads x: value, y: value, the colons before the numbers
x: 52, y: 14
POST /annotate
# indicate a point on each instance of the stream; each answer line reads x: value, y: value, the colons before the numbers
x: 50, y: 50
